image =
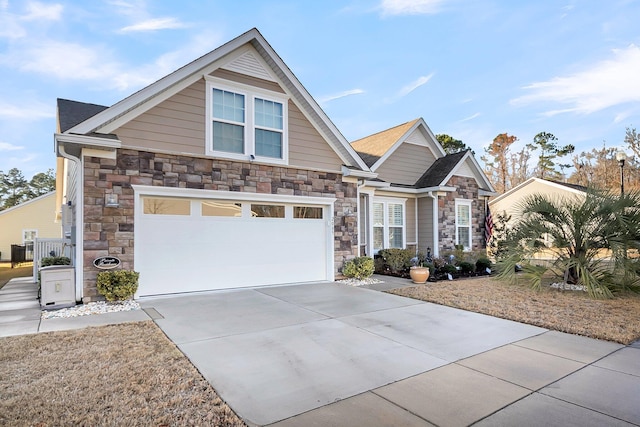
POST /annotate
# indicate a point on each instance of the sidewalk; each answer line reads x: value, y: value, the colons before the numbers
x: 20, y: 312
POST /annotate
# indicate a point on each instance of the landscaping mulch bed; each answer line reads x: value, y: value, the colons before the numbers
x: 573, y: 312
x: 128, y: 374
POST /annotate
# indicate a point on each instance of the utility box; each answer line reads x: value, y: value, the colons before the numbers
x: 57, y: 287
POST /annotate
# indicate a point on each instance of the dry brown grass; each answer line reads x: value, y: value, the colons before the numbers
x: 119, y: 375
x: 566, y: 311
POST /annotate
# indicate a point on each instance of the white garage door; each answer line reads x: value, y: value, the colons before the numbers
x: 197, y: 244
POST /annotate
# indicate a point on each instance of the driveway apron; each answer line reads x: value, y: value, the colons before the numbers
x: 276, y: 352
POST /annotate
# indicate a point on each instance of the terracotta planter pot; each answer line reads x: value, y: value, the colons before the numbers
x: 419, y: 274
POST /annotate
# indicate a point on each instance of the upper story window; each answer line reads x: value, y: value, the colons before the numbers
x: 245, y: 122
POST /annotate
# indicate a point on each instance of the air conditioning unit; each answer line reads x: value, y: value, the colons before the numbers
x: 58, y: 288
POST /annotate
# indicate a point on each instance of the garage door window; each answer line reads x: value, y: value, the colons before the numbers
x: 166, y: 206
x: 307, y: 212
x: 221, y: 208
x: 267, y: 211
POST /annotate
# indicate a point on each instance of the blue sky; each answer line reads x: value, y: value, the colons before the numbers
x: 471, y: 69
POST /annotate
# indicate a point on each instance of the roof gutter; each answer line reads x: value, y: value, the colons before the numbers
x: 356, y: 173
x: 84, y: 141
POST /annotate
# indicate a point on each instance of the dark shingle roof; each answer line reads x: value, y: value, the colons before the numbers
x: 71, y: 113
x: 569, y: 185
x: 439, y: 170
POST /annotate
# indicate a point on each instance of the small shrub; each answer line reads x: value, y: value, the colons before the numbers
x: 482, y: 264
x: 117, y: 285
x: 448, y: 268
x: 359, y: 268
x: 396, y: 261
x: 466, y: 267
x: 54, y: 260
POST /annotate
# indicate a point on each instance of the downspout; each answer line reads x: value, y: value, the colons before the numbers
x: 415, y: 214
x: 79, y: 222
x: 359, y: 185
x: 436, y: 232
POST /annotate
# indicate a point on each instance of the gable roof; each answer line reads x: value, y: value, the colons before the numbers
x: 72, y: 113
x: 440, y: 170
x: 27, y: 203
x: 377, y: 148
x: 109, y: 119
x: 372, y: 147
x: 572, y: 188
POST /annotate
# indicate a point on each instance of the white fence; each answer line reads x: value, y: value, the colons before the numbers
x: 43, y: 248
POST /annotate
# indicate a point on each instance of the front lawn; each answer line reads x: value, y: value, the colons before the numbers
x: 128, y: 374
x: 616, y: 319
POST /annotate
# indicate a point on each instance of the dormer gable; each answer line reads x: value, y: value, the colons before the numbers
x: 250, y: 56
x: 401, y: 154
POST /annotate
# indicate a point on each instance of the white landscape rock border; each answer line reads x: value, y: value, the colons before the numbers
x: 358, y: 282
x: 99, y: 307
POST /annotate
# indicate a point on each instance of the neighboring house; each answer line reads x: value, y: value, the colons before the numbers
x: 507, y: 203
x: 27, y: 221
x: 422, y: 198
x: 227, y: 173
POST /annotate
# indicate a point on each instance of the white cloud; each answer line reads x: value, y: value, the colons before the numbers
x: 154, y: 25
x: 5, y: 146
x: 76, y: 62
x: 471, y: 117
x: 411, y: 7
x: 67, y: 61
x: 328, y: 98
x: 32, y: 112
x: 40, y: 11
x: 414, y: 85
x: 605, y: 84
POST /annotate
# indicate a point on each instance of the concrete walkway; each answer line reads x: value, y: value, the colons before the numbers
x: 327, y: 354
x: 20, y: 312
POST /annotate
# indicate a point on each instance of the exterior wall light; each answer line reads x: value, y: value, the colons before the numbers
x: 111, y: 200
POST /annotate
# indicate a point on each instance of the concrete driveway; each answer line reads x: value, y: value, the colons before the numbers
x: 329, y: 354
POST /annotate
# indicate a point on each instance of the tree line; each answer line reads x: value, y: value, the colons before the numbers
x: 546, y: 158
x: 16, y: 189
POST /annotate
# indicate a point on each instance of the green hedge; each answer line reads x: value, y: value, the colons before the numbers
x: 359, y: 268
x: 117, y: 285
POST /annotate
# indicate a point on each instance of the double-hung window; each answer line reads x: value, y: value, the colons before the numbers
x: 246, y: 122
x: 463, y: 223
x: 388, y: 224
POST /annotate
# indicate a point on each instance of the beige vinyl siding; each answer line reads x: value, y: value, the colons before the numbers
x: 509, y: 203
x: 37, y: 214
x: 176, y: 124
x: 425, y: 221
x: 307, y: 148
x: 406, y: 165
x: 410, y: 226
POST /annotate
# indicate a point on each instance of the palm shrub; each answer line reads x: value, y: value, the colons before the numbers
x: 581, y: 232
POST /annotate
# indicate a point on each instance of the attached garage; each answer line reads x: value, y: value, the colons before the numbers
x: 198, y: 240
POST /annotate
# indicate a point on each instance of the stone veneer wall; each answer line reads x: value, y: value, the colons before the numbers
x: 467, y: 188
x: 110, y: 231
